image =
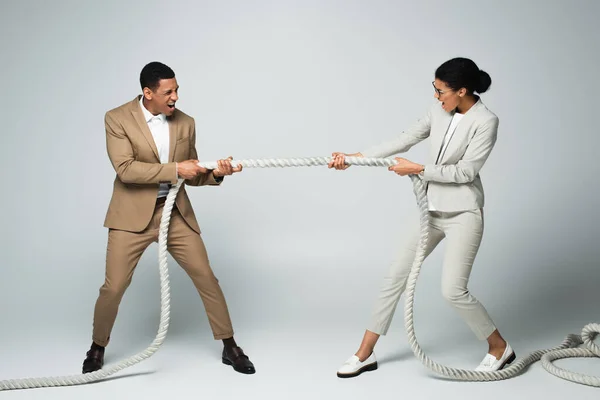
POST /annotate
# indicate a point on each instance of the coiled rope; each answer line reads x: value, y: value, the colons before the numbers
x: 565, y: 350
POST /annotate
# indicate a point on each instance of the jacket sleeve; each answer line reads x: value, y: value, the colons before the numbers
x: 201, y: 179
x: 122, y: 158
x: 416, y: 133
x: 476, y: 154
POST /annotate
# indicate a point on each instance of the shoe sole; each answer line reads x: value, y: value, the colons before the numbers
x: 366, y: 368
x: 241, y: 371
x: 88, y: 370
x: 506, y: 362
x: 509, y: 360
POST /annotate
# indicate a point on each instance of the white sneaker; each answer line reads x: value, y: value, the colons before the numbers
x: 491, y: 363
x: 353, y: 367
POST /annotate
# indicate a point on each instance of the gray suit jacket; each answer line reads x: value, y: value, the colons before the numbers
x: 453, y: 181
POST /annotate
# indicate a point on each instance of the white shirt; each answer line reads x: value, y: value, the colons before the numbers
x: 159, y: 127
x: 455, y: 120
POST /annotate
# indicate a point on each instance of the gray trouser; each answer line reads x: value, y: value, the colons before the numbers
x: 463, y: 231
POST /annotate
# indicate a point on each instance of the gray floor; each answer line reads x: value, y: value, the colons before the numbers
x: 291, y: 364
x: 295, y: 331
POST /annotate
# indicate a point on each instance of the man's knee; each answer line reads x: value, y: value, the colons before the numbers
x: 114, y: 289
x: 201, y: 273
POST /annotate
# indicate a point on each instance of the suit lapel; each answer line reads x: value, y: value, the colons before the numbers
x: 460, y: 129
x: 173, y: 127
x: 139, y: 118
x: 439, y: 139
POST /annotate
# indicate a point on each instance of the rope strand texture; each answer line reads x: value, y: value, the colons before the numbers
x: 302, y: 162
x: 165, y: 298
x: 565, y: 350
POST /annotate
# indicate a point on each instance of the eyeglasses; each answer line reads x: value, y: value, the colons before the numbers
x: 438, y: 91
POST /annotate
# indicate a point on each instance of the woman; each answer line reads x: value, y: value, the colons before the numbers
x: 462, y: 132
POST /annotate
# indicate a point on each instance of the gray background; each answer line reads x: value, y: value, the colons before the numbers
x: 300, y: 252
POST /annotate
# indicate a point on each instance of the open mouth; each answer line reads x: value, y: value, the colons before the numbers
x: 171, y: 106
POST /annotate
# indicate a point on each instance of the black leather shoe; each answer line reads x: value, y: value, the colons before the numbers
x: 240, y: 362
x: 94, y: 359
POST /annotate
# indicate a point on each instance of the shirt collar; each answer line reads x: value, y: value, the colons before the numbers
x: 148, y: 115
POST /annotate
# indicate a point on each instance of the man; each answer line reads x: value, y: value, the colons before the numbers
x: 151, y: 144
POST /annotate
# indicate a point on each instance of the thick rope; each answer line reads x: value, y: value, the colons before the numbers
x: 566, y: 349
x: 165, y: 296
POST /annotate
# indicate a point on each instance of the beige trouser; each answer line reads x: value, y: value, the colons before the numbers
x: 123, y: 253
x: 463, y: 231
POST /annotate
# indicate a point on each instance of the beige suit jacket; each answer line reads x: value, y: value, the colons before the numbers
x: 452, y: 177
x: 135, y: 158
